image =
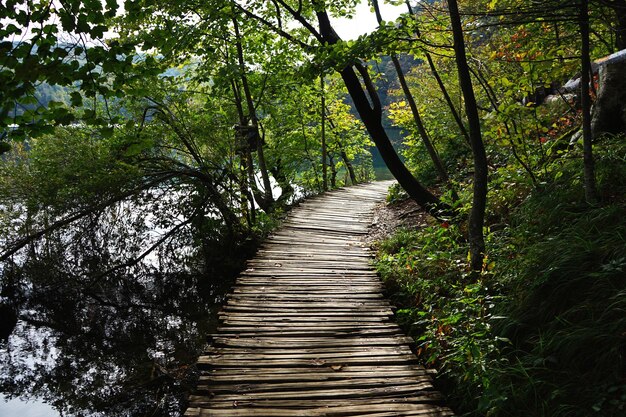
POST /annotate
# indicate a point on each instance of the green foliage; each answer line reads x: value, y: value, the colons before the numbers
x: 564, y: 272
x: 446, y: 309
x: 396, y: 193
x: 566, y: 318
x: 438, y: 122
x: 69, y: 169
x: 540, y: 331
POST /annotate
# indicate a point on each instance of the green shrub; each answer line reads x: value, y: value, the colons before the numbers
x: 542, y: 330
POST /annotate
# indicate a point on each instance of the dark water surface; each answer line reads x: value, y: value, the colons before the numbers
x: 112, y: 348
x: 100, y: 335
x: 116, y: 347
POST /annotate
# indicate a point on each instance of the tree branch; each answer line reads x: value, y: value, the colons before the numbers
x: 273, y: 28
x: 72, y: 218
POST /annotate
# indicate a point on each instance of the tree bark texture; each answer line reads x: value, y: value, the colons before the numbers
x: 349, y: 166
x: 371, y: 115
x: 265, y: 199
x: 591, y: 194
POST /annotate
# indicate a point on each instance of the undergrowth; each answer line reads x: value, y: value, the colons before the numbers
x: 542, y: 330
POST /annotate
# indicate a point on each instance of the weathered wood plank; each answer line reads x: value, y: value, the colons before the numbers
x: 290, y: 371
x: 307, y: 342
x: 369, y: 411
x: 426, y: 397
x: 347, y: 393
x: 296, y: 332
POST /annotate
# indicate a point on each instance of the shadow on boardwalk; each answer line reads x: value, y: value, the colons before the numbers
x: 306, y: 330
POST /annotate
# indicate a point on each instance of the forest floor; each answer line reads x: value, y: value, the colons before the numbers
x: 389, y: 217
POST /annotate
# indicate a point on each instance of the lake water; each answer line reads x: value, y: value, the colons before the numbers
x: 96, y: 339
x: 20, y: 408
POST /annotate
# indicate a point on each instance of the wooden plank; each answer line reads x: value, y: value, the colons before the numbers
x: 316, y: 352
x: 301, y: 378
x: 310, y: 316
x: 297, y: 332
x: 286, y: 370
x: 344, y: 278
x: 426, y: 397
x: 214, y: 388
x: 307, y: 342
x: 278, y: 310
x: 399, y: 390
x: 300, y: 285
x: 297, y: 296
x: 410, y: 410
x: 347, y: 326
x: 306, y: 361
x: 328, y: 304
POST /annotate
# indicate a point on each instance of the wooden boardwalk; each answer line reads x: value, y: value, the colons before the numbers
x: 306, y: 330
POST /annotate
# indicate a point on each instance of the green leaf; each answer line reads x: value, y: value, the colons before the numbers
x: 4, y: 147
x: 76, y: 99
x: 106, y: 131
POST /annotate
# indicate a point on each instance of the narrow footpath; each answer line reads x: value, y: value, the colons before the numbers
x: 307, y: 331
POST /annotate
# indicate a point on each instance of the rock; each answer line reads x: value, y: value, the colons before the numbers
x: 576, y: 137
x: 559, y: 98
x: 609, y: 115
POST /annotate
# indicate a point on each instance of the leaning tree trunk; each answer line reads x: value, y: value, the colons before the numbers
x: 266, y: 198
x: 442, y: 87
x: 348, y: 165
x: 430, y: 148
x: 479, y: 201
x: 371, y: 115
x: 417, y: 118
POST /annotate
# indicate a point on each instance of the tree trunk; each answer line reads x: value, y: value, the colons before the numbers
x: 265, y: 199
x: 591, y: 194
x: 323, y: 118
x: 371, y: 115
x: 257, y: 195
x: 244, y: 190
x: 268, y: 196
x: 442, y: 87
x: 479, y: 201
x: 619, y: 6
x: 286, y: 188
x: 430, y: 148
x: 333, y: 172
x: 349, y: 166
x: 342, y: 152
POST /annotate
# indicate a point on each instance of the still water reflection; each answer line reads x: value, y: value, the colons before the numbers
x: 98, y: 335
x: 26, y: 408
